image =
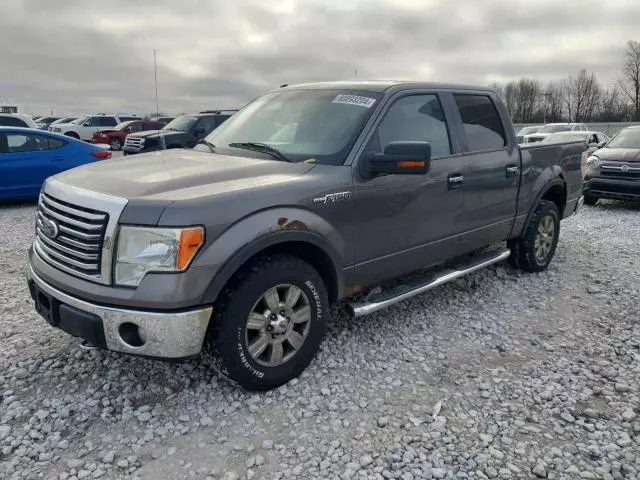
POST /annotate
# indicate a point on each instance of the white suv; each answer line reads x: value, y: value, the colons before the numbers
x: 16, y: 120
x: 85, y: 126
x: 550, y: 128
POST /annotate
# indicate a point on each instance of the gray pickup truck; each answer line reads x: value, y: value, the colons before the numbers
x: 312, y: 195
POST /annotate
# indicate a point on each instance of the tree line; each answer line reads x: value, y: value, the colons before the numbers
x: 577, y: 98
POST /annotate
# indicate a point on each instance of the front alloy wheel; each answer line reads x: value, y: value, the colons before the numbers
x: 278, y: 325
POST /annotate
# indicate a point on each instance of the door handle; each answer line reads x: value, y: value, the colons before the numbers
x: 454, y: 181
x: 512, y: 170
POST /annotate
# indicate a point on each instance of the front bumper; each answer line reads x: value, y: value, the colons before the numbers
x: 615, y: 189
x: 171, y: 335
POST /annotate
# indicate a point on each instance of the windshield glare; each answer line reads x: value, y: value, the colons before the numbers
x: 555, y: 128
x: 123, y: 125
x: 79, y: 121
x: 181, y: 124
x: 627, y: 138
x: 315, y: 125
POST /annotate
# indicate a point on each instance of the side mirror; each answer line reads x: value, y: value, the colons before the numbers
x: 398, y: 158
x: 601, y: 144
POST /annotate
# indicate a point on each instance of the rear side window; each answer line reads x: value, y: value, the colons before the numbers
x: 482, y: 125
x: 220, y: 119
x: 55, y: 143
x: 126, y: 119
x: 12, y: 122
x: 107, y: 122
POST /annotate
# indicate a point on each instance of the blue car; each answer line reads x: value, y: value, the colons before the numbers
x: 28, y: 156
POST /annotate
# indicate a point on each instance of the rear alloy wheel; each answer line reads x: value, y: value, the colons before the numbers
x: 115, y: 144
x: 268, y: 322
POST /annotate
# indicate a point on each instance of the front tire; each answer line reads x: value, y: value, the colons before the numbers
x: 115, y: 144
x: 590, y: 200
x: 269, y: 322
x: 534, y: 250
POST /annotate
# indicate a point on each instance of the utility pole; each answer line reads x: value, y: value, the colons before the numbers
x: 155, y: 76
x: 356, y: 74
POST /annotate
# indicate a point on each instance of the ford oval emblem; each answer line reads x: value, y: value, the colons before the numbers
x: 49, y: 228
x: 624, y: 168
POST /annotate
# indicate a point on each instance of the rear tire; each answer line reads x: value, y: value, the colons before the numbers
x: 73, y: 135
x: 260, y: 349
x: 590, y: 200
x: 534, y: 250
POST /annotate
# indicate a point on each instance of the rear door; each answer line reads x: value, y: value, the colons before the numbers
x: 27, y: 160
x: 492, y: 173
x: 406, y: 222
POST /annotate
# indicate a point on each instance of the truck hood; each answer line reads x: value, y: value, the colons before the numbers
x: 148, y: 133
x: 630, y: 155
x: 173, y: 175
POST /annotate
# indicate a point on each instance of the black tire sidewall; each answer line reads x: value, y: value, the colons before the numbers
x: 544, y: 209
x: 590, y: 200
x: 230, y: 339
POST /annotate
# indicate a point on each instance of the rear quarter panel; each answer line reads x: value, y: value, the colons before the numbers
x: 542, y: 166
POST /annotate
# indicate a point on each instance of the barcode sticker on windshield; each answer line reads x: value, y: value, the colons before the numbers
x: 365, y: 102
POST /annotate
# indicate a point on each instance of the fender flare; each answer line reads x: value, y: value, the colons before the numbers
x: 245, y: 252
x: 559, y: 180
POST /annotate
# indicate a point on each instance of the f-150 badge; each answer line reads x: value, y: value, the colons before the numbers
x: 332, y: 198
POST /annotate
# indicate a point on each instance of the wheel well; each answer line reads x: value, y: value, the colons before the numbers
x: 310, y: 253
x: 558, y: 195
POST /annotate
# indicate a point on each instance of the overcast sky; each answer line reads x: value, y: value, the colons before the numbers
x: 83, y: 56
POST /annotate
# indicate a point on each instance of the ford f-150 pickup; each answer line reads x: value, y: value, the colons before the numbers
x: 359, y: 194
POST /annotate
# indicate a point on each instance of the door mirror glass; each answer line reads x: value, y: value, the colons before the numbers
x: 406, y: 157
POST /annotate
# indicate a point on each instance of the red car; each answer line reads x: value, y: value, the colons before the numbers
x: 115, y: 137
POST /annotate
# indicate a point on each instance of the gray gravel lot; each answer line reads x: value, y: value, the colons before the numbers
x: 498, y: 375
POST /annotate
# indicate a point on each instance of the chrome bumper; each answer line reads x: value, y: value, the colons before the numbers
x: 164, y: 335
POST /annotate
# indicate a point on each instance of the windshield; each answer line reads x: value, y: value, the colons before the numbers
x: 627, y: 138
x: 123, y: 125
x: 555, y: 128
x: 80, y: 120
x: 566, y: 137
x: 314, y: 125
x: 181, y: 124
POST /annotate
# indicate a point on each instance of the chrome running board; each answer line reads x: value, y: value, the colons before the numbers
x: 412, y: 289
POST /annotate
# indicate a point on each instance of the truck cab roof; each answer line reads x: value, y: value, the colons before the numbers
x: 383, y: 86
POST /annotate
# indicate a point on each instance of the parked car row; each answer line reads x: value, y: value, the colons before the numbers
x: 538, y: 133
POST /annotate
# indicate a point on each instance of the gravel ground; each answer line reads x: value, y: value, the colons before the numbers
x: 498, y: 375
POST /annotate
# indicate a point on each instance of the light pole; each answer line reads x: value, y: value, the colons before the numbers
x: 546, y: 96
x: 155, y: 76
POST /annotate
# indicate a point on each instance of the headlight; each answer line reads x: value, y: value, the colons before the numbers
x: 148, y: 249
x: 593, y: 161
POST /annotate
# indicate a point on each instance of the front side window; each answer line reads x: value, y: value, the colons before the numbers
x: 207, y: 124
x: 481, y: 121
x: 309, y: 124
x: 413, y: 118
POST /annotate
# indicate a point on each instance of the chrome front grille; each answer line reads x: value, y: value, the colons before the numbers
x: 70, y: 236
x: 134, y: 143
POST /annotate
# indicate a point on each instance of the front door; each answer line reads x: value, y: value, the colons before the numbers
x: 406, y: 221
x: 28, y: 159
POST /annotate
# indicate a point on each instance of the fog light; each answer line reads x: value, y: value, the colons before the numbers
x: 131, y: 335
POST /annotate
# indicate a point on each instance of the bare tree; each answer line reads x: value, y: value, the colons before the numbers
x: 521, y: 98
x: 581, y: 94
x: 630, y: 84
x: 553, y: 103
x: 611, y: 107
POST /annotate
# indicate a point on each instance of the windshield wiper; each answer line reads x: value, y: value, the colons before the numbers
x: 211, y: 146
x: 262, y: 148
